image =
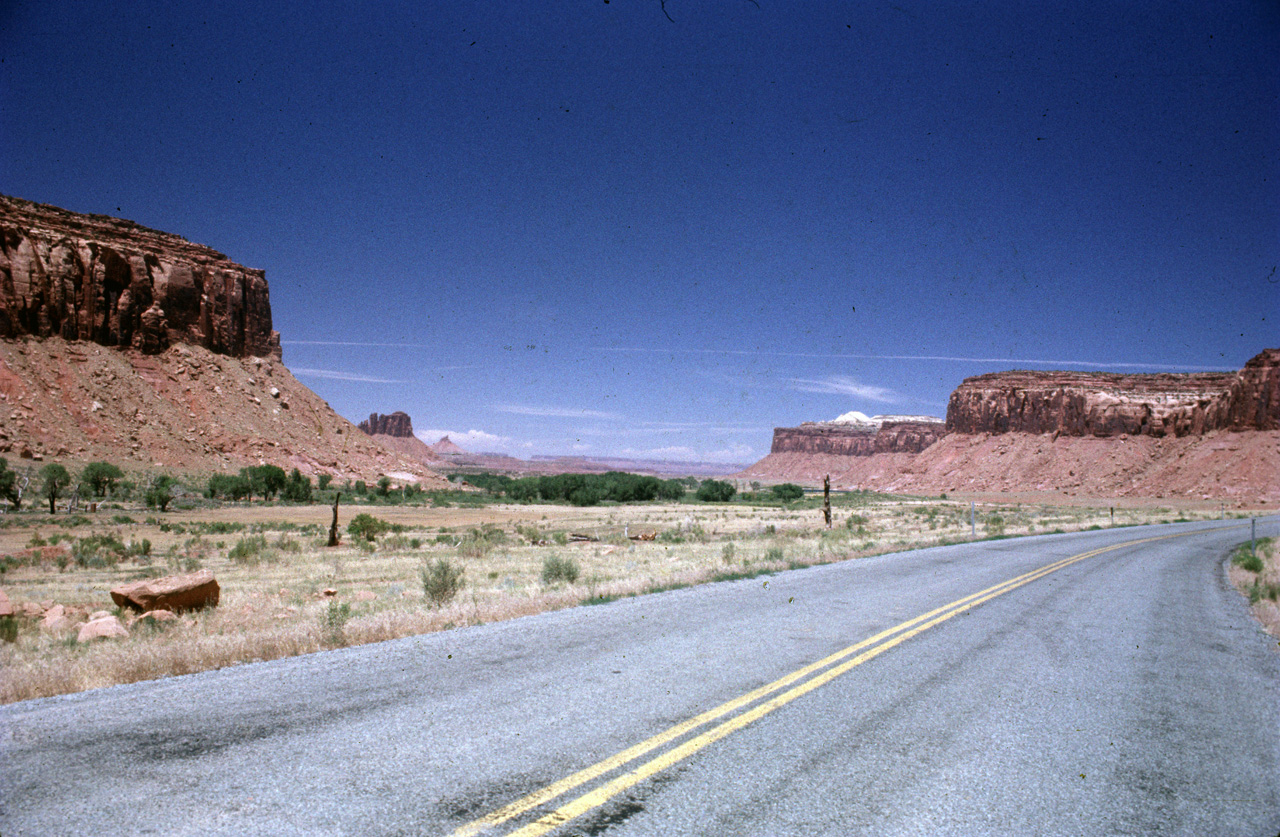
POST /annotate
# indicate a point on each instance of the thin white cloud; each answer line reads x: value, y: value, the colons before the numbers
x: 844, y: 385
x: 334, y: 375
x: 557, y: 412
x: 945, y: 358
x: 353, y: 343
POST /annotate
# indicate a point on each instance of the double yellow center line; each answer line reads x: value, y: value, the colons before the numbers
x: 778, y: 693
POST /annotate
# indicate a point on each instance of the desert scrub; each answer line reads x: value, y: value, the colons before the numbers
x: 555, y: 568
x: 479, y: 542
x: 250, y: 550
x: 1246, y: 559
x: 333, y: 622
x: 441, y: 581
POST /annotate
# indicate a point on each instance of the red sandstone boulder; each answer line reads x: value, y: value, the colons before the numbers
x: 106, y: 627
x: 6, y: 607
x: 176, y: 593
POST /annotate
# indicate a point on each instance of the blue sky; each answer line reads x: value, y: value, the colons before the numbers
x: 583, y: 227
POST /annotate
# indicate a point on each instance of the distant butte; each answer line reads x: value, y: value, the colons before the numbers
x: 446, y: 447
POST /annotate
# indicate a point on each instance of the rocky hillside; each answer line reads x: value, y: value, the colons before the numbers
x: 137, y: 347
x: 112, y: 282
x: 1207, y: 436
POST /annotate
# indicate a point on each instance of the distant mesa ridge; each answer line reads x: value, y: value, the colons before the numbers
x: 396, y: 424
x: 116, y: 283
x: 1097, y: 404
x: 1104, y: 405
x: 860, y: 436
x: 1205, y: 435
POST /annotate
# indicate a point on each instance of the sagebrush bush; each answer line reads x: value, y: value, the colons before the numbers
x: 555, y: 568
x: 249, y: 550
x: 441, y: 581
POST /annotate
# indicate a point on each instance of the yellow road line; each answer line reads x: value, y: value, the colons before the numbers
x: 877, y: 644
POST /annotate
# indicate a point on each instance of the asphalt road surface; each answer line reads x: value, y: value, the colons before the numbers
x: 1107, y: 682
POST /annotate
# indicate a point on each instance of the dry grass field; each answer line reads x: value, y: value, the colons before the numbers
x: 284, y: 592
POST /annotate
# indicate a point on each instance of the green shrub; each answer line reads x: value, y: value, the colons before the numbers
x: 334, y: 622
x: 787, y: 492
x: 368, y: 527
x: 1246, y: 560
x: 9, y: 628
x: 441, y: 581
x: 726, y: 553
x: 248, y: 550
x: 98, y: 551
x: 775, y: 553
x: 555, y: 568
x: 716, y: 491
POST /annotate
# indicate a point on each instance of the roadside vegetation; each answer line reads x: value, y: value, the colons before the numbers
x: 412, y: 562
x: 1255, y: 572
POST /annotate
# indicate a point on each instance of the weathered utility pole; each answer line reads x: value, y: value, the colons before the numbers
x: 333, y: 527
x: 826, y: 499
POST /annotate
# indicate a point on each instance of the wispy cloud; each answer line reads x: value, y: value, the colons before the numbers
x: 335, y: 375
x: 353, y: 343
x: 943, y: 358
x: 557, y: 412
x: 844, y: 385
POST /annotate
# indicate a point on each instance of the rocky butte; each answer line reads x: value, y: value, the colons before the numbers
x: 395, y: 431
x: 397, y: 424
x: 113, y: 282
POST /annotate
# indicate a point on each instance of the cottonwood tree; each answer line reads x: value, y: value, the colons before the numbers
x: 56, y: 478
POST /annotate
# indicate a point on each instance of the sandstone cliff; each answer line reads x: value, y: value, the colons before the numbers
x: 1105, y: 405
x: 113, y: 282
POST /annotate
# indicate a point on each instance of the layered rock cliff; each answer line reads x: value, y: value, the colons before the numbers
x: 881, y: 434
x: 397, y: 424
x: 113, y: 282
x: 1105, y: 405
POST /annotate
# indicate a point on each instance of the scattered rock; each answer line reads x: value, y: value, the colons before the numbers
x: 329, y: 592
x: 6, y: 607
x: 365, y: 595
x: 176, y: 593
x: 108, y: 627
x: 153, y: 618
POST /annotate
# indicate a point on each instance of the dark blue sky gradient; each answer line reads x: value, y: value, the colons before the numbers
x: 588, y: 228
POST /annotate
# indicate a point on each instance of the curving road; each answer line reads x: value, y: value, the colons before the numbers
x: 1099, y: 683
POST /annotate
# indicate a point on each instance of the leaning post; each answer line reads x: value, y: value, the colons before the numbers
x: 333, y: 527
x: 826, y: 499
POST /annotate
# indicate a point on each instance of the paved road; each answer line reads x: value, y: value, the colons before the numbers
x: 1124, y: 692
